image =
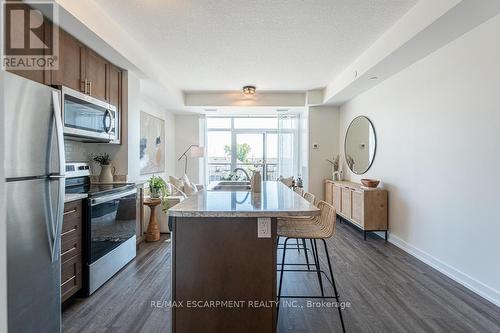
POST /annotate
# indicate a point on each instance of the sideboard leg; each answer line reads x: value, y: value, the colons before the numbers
x: 364, y: 234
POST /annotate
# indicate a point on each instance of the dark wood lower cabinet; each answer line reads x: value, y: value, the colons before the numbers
x: 224, y: 277
x: 71, y: 250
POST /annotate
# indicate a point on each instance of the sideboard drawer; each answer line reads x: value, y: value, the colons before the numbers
x: 346, y: 202
x: 357, y: 207
x: 337, y: 198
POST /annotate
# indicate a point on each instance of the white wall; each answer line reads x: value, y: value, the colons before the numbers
x: 323, y: 130
x: 188, y: 132
x: 438, y: 129
x: 152, y: 108
x: 3, y: 225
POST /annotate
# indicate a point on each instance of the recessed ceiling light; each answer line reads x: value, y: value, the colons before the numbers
x: 249, y: 90
x: 210, y: 110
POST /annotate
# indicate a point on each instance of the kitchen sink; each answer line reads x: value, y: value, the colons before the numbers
x: 230, y: 182
x: 231, y: 186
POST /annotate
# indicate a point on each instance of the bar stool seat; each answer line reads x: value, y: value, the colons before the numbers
x: 302, y: 228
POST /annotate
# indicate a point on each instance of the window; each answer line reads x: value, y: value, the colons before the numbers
x: 267, y: 144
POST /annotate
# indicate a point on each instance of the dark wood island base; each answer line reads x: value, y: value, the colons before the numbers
x: 223, y: 275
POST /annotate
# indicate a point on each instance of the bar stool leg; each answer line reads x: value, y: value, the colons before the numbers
x: 305, y: 251
x: 318, y: 268
x: 281, y: 278
x: 298, y: 246
x: 312, y: 249
x: 316, y: 264
x: 334, y: 286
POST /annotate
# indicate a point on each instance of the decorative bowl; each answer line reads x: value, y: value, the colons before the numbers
x: 372, y: 183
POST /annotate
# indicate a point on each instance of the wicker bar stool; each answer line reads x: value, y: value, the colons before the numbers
x: 311, y: 199
x: 299, y: 191
x: 315, y: 228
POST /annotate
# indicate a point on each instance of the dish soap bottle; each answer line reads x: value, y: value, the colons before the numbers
x: 256, y: 182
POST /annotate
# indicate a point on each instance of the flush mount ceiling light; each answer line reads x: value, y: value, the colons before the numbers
x: 249, y: 90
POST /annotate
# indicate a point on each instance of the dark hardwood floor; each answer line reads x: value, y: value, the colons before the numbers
x: 387, y: 290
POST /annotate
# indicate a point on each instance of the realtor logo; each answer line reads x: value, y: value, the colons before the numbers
x: 30, y: 35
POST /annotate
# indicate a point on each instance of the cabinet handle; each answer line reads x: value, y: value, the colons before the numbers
x: 83, y: 86
x: 90, y: 88
x: 68, y: 232
x: 70, y: 212
x: 67, y: 280
x: 68, y: 251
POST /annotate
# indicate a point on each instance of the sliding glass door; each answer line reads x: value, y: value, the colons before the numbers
x: 250, y: 144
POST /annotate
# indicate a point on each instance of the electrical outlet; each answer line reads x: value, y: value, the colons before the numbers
x: 264, y: 227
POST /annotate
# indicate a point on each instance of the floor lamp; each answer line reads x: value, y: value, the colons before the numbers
x: 195, y: 152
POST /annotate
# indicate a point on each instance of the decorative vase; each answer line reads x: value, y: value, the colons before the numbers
x: 154, y: 192
x: 256, y: 182
x: 107, y: 171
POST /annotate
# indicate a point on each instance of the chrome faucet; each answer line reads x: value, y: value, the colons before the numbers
x: 244, y: 171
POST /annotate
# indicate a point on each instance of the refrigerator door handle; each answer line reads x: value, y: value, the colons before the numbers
x: 56, y: 176
x: 57, y: 224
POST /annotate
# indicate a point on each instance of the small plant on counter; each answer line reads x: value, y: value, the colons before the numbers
x: 107, y: 170
x: 335, y: 163
x: 101, y: 158
x: 158, y: 189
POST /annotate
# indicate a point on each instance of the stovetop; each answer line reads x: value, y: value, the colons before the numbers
x: 78, y: 181
x: 97, y: 189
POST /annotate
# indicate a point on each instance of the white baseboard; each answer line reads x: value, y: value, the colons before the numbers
x: 470, y: 283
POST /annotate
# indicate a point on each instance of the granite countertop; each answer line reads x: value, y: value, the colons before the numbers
x: 275, y: 200
x: 68, y: 197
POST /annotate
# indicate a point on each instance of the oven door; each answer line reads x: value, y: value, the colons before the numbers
x: 111, y: 223
x: 88, y: 117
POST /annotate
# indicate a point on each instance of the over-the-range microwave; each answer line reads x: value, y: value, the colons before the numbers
x: 86, y: 118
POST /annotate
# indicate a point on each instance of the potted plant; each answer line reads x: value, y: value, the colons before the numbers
x: 158, y: 190
x: 107, y: 170
x: 156, y: 187
x: 335, y: 164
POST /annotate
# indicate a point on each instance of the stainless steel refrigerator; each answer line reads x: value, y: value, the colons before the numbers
x: 34, y: 174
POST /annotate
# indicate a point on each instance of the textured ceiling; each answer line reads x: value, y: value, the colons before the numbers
x: 274, y: 44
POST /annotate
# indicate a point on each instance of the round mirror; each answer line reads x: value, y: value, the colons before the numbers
x: 360, y: 145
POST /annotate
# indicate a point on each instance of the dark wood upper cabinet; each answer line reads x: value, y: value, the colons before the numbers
x: 115, y: 87
x: 72, y: 54
x: 97, y: 73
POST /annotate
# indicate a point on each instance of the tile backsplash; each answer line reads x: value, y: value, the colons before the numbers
x: 78, y: 151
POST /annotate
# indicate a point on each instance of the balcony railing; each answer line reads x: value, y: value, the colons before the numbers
x: 223, y: 171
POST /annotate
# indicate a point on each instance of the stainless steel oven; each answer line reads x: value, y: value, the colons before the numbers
x: 109, y: 228
x: 110, y: 233
x: 89, y: 119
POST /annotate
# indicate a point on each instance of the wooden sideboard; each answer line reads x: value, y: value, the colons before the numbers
x: 367, y: 208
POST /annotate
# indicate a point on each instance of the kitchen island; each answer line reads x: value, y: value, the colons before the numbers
x: 224, y: 258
